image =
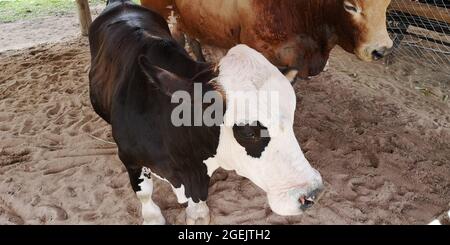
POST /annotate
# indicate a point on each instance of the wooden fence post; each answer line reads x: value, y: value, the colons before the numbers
x: 84, y: 14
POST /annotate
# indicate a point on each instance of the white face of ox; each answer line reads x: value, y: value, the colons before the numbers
x: 257, y: 139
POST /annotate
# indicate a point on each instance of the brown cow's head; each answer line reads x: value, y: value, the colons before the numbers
x: 362, y: 28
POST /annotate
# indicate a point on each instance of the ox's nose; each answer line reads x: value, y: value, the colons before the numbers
x: 312, y: 198
x: 380, y: 53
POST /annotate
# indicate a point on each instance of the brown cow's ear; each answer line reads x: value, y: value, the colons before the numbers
x: 166, y: 81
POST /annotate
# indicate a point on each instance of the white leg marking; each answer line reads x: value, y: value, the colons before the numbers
x: 150, y: 211
x: 197, y: 213
x: 180, y: 193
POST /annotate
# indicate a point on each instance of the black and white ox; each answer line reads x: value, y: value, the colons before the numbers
x: 137, y: 68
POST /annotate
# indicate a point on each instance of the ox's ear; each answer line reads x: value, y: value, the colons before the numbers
x: 166, y: 81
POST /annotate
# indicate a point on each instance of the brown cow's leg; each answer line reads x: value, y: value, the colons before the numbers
x: 292, y: 76
x: 196, y: 49
x: 289, y: 73
x: 179, y: 36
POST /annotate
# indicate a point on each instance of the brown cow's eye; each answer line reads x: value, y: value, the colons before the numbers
x: 350, y: 8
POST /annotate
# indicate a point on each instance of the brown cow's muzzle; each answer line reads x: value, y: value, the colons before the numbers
x: 374, y: 51
x: 380, y: 53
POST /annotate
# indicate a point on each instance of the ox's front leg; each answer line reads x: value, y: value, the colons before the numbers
x: 197, y: 213
x: 150, y: 211
x: 143, y: 187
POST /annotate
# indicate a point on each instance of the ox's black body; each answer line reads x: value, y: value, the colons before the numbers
x: 131, y: 47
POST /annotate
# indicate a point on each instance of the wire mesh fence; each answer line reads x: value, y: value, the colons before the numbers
x: 421, y: 31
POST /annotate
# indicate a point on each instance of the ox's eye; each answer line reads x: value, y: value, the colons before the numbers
x: 245, y: 131
x: 253, y: 131
x: 350, y: 8
x: 254, y: 138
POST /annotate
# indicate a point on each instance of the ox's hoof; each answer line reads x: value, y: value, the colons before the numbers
x: 156, y: 220
x: 197, y: 214
x: 199, y: 221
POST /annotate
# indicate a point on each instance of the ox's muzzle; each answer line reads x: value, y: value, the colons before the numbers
x: 375, y: 51
x: 295, y: 201
x: 380, y: 53
x: 312, y: 198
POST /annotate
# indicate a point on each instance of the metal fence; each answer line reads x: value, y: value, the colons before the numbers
x: 421, y: 31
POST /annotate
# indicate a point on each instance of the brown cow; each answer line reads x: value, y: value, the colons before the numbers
x: 297, y: 34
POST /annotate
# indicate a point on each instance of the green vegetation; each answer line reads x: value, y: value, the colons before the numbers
x: 12, y: 10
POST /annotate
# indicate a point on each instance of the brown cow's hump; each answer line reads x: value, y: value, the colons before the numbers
x: 162, y: 7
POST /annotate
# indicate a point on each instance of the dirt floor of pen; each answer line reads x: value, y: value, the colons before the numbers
x: 379, y: 135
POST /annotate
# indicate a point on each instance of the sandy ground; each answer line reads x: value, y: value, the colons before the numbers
x: 50, y: 29
x: 28, y: 33
x: 381, y: 144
